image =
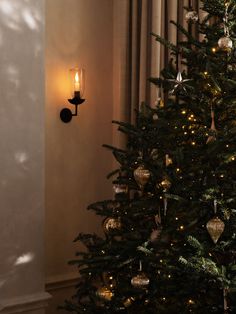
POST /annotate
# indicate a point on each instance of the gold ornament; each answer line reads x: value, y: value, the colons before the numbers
x: 161, y: 103
x: 225, y: 43
x: 120, y: 188
x: 191, y: 16
x: 105, y: 293
x: 129, y: 301
x: 166, y: 184
x: 140, y: 281
x: 110, y: 224
x: 141, y: 176
x: 169, y: 161
x: 215, y: 228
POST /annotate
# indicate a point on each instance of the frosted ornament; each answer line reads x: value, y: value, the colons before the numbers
x: 225, y: 43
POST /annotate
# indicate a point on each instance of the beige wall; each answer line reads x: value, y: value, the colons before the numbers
x: 78, y: 32
x: 22, y: 156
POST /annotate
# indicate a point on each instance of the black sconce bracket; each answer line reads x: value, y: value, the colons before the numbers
x: 66, y: 114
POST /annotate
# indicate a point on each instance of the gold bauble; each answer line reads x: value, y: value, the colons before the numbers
x: 215, y: 228
x: 105, y: 293
x: 128, y: 301
x: 225, y: 43
x: 141, y: 176
x: 140, y: 281
x: 110, y: 224
x: 120, y: 188
x: 166, y: 184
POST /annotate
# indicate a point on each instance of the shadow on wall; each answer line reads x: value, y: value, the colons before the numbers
x: 21, y: 119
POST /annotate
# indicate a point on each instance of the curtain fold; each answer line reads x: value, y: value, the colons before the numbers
x: 137, y: 56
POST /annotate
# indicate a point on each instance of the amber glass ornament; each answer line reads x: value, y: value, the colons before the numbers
x: 105, y: 293
x: 215, y: 228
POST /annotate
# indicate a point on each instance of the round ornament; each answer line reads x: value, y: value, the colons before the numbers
x: 225, y: 43
x: 191, y: 16
x: 105, y: 293
x: 166, y: 184
x: 111, y: 224
x: 141, y: 176
x: 215, y: 228
x: 120, y: 188
x: 140, y: 281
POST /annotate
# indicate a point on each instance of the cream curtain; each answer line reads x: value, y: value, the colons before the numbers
x: 136, y: 54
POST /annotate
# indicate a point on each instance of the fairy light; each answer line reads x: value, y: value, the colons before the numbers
x: 222, y: 176
x: 178, y: 170
x: 193, y: 143
x: 227, y: 145
x: 213, y: 49
x: 191, y: 302
x: 205, y: 73
x: 193, y: 132
x: 181, y: 227
x: 185, y: 133
x: 176, y: 218
x: 183, y: 112
x: 169, y: 276
x: 233, y: 158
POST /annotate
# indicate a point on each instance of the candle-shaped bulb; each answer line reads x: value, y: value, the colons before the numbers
x: 77, y: 82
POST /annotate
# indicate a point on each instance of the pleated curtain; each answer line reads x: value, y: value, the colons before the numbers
x: 137, y: 56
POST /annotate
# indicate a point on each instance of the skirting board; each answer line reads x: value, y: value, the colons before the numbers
x: 25, y: 304
x: 62, y: 281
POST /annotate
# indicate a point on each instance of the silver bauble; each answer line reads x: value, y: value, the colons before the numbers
x: 225, y: 43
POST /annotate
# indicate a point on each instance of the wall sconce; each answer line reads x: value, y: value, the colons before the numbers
x: 77, y: 82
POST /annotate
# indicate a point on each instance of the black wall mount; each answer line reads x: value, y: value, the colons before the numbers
x: 66, y: 114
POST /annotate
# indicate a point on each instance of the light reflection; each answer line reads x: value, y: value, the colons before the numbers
x: 16, y: 14
x: 24, y: 259
x: 21, y: 157
x: 29, y: 19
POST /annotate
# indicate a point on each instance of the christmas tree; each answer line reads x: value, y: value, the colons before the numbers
x: 169, y: 242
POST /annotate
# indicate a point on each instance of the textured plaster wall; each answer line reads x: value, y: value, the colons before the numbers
x: 21, y: 148
x: 78, y: 32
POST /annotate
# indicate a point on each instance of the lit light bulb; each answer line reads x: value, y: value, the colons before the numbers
x: 213, y: 49
x: 181, y: 227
